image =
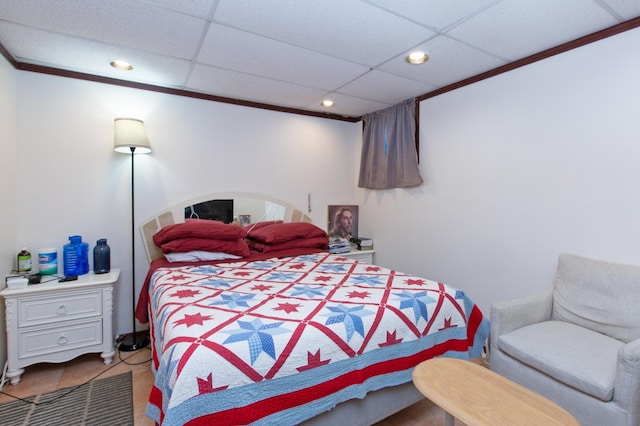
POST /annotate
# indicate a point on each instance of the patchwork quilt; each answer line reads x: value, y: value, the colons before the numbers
x: 281, y: 340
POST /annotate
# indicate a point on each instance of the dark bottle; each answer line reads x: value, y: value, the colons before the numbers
x: 101, y: 257
x: 24, y: 260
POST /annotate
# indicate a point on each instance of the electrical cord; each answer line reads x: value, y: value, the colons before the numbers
x: 124, y: 360
x: 74, y: 388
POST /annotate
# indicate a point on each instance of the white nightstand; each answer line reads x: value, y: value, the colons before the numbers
x: 361, y: 255
x: 56, y: 322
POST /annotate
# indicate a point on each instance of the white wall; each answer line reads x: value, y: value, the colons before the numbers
x: 519, y: 168
x: 74, y: 183
x: 8, y: 183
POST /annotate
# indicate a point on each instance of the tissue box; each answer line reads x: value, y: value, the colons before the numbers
x: 17, y: 282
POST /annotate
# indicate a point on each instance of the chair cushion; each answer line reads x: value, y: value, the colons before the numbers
x: 598, y: 295
x: 573, y: 355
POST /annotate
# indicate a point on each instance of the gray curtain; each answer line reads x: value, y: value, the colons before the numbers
x: 389, y: 158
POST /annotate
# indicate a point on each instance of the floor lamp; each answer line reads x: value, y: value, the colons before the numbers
x: 131, y: 137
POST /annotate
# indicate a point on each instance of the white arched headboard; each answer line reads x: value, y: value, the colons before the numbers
x: 175, y: 214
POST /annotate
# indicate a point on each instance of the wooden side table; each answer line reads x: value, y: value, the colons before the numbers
x: 477, y: 396
x: 56, y: 322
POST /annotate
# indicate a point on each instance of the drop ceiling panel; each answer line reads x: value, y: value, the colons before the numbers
x: 347, y: 105
x: 351, y: 30
x: 238, y: 50
x: 89, y: 57
x: 252, y: 88
x: 450, y: 61
x: 198, y: 8
x: 626, y: 9
x: 384, y: 87
x: 435, y: 13
x: 123, y: 22
x: 515, y: 29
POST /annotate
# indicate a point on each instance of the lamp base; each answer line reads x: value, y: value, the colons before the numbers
x: 134, y: 343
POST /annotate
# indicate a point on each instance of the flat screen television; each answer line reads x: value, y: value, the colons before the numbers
x: 220, y: 210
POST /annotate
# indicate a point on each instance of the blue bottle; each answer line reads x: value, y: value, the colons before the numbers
x: 101, y: 257
x: 75, y: 256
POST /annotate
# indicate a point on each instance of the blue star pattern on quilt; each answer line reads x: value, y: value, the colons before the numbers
x: 282, y: 276
x: 164, y: 314
x: 218, y: 282
x: 207, y: 269
x: 351, y: 317
x: 259, y: 336
x: 368, y: 280
x: 308, y: 258
x: 309, y: 291
x: 335, y: 267
x: 171, y: 366
x: 233, y: 300
x: 262, y: 265
x: 417, y: 301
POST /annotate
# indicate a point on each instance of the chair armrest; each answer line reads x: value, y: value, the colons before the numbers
x: 512, y: 314
x: 627, y: 385
x: 629, y: 354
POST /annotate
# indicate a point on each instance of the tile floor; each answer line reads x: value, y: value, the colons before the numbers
x: 46, y: 377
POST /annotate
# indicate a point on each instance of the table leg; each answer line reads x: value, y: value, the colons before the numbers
x: 448, y: 419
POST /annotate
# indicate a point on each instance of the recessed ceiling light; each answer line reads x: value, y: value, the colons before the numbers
x: 327, y: 103
x: 121, y: 65
x: 417, y: 58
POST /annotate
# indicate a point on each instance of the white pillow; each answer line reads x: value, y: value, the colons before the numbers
x: 194, y: 256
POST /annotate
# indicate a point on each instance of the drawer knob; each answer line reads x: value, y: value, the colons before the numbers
x: 62, y: 341
x: 62, y: 310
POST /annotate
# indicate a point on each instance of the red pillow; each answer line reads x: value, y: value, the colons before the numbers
x: 313, y: 242
x: 200, y: 229
x: 184, y: 245
x: 250, y: 227
x: 281, y: 232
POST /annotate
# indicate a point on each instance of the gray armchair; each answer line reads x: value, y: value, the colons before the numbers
x: 578, y: 343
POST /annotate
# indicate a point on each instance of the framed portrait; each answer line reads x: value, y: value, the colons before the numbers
x: 244, y: 219
x: 342, y: 221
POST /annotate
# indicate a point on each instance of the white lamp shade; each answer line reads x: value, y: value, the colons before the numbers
x: 130, y: 133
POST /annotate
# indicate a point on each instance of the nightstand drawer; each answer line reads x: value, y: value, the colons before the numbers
x: 361, y: 255
x: 73, y: 335
x: 63, y: 307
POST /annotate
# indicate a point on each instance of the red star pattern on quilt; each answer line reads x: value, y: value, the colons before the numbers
x: 261, y: 287
x: 287, y: 307
x: 323, y: 278
x: 313, y: 361
x: 206, y: 385
x: 178, y: 277
x: 359, y: 294
x: 190, y: 320
x: 391, y: 339
x: 297, y: 266
x: 180, y: 294
x: 447, y: 324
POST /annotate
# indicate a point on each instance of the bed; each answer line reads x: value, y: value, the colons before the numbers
x: 284, y: 332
